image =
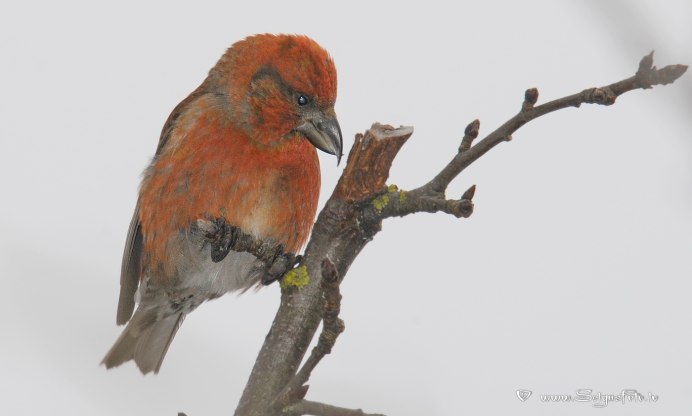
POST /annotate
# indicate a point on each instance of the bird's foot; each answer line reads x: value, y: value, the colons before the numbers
x: 220, y: 235
x: 223, y: 237
x: 281, y: 264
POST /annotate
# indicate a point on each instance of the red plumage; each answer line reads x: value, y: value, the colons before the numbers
x: 241, y: 147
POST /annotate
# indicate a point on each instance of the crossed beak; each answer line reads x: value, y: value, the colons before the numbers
x: 324, y: 133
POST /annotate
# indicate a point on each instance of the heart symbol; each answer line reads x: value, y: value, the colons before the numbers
x: 524, y: 395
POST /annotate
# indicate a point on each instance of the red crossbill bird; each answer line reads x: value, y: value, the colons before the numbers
x: 240, y: 149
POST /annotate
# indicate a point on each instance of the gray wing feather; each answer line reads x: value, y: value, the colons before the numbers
x: 130, y: 271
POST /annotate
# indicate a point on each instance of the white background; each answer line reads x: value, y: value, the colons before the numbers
x: 574, y: 271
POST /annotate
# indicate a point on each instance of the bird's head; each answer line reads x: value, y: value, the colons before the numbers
x: 281, y: 88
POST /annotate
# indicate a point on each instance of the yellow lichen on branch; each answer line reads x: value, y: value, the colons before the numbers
x: 297, y: 277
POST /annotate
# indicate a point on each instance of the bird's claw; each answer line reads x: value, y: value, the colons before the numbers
x: 281, y: 264
x: 220, y: 235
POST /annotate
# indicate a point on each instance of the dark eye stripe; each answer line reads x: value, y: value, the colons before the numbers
x: 268, y: 71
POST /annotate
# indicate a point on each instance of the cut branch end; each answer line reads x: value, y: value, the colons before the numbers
x: 369, y: 161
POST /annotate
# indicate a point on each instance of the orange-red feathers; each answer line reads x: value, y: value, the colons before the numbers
x: 218, y: 171
x: 229, y: 154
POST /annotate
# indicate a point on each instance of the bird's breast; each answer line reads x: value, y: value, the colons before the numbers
x: 216, y: 171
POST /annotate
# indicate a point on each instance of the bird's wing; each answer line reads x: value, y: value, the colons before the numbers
x: 130, y: 270
x: 169, y: 126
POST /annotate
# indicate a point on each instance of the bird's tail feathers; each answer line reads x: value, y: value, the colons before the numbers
x: 145, y: 340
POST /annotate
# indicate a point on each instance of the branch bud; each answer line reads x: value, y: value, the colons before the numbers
x: 329, y: 273
x: 530, y: 99
x: 468, y: 195
x: 670, y: 73
x: 470, y: 134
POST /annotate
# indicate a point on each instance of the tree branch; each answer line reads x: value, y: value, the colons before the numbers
x: 430, y: 197
x: 352, y: 217
x: 306, y: 407
x: 340, y: 233
x: 332, y: 326
x: 646, y: 77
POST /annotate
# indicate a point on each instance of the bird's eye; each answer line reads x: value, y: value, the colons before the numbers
x: 302, y: 100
